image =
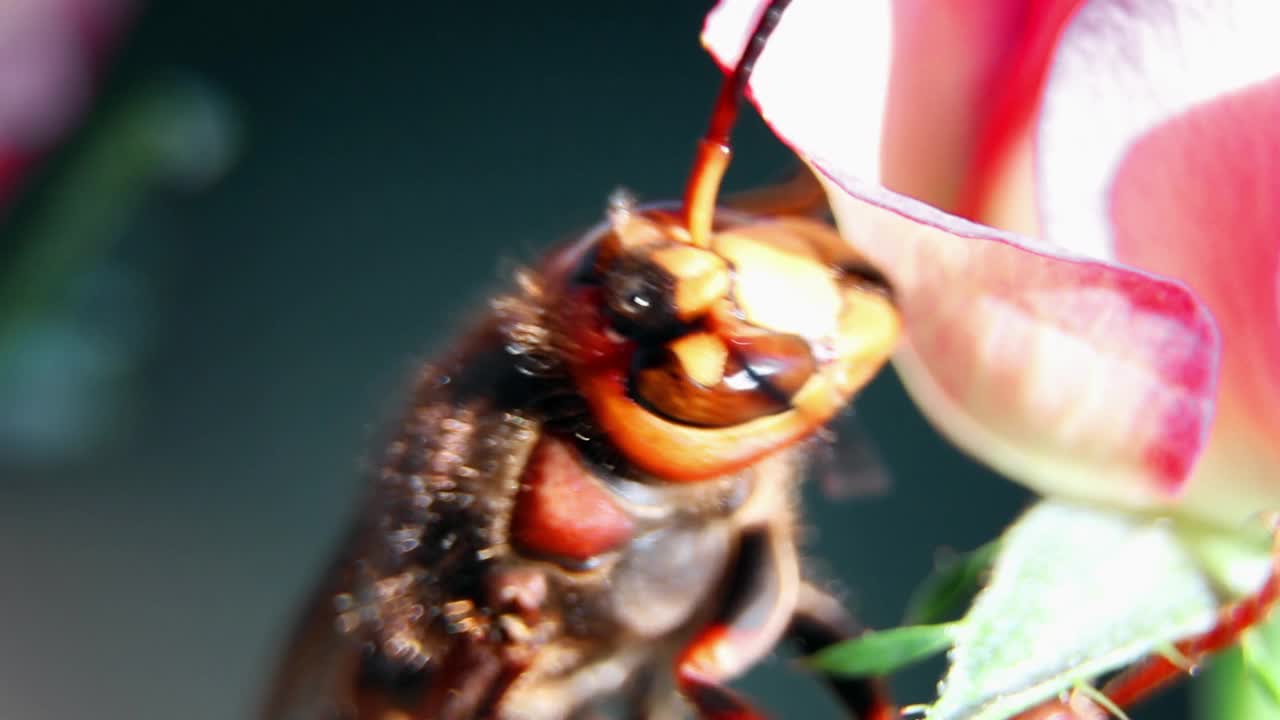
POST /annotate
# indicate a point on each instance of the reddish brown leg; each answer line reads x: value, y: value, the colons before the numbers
x: 820, y: 621
x: 758, y: 610
x: 713, y: 153
x: 714, y: 701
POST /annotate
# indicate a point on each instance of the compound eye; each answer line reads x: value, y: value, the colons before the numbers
x: 655, y: 291
x: 701, y: 380
x: 641, y: 298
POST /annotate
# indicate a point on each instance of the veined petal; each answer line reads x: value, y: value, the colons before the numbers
x: 1169, y: 159
x: 1076, y: 377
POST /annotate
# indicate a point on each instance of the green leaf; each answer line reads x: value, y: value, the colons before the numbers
x: 883, y: 652
x: 1075, y: 592
x: 945, y: 594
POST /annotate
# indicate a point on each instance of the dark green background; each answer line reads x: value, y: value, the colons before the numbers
x: 396, y: 157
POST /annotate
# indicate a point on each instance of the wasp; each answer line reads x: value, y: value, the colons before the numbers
x: 589, y: 505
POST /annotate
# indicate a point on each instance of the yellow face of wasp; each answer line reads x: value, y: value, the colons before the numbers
x: 726, y: 352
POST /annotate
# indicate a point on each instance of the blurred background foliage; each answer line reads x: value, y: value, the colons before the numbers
x: 216, y: 285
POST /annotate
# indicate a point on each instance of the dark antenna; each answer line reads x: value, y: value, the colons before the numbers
x: 713, y: 154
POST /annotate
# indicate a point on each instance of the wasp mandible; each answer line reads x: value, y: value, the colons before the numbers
x: 590, y: 503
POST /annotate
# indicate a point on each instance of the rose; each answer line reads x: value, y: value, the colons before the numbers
x: 1139, y: 135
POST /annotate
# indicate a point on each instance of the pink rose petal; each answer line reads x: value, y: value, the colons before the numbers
x: 999, y: 187
x: 1198, y: 198
x: 944, y: 54
x: 1076, y: 377
x: 1170, y: 160
x: 965, y: 82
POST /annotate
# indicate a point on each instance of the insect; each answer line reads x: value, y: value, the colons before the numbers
x: 589, y: 504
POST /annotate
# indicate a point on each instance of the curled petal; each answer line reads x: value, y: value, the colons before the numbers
x: 1169, y: 159
x: 1076, y: 377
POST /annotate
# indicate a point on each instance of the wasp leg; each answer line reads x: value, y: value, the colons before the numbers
x: 820, y: 620
x: 764, y: 591
x: 800, y: 194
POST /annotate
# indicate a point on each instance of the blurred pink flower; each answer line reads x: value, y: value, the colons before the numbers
x: 48, y: 53
x: 1046, y: 358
